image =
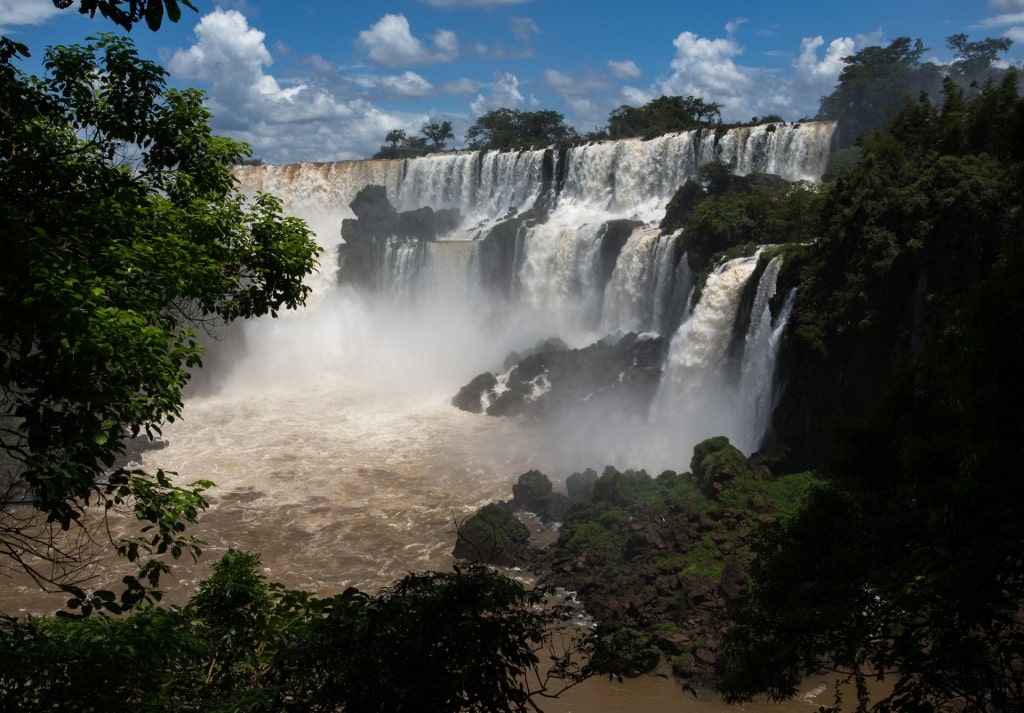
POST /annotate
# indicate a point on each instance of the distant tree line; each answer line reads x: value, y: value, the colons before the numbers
x: 874, y: 82
x: 433, y: 138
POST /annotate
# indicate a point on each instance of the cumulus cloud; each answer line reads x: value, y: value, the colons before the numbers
x: 504, y: 94
x: 822, y: 73
x: 710, y: 68
x: 390, y: 43
x: 304, y: 121
x: 407, y: 84
x: 24, y: 12
x: 705, y: 68
x: 624, y: 70
x: 1010, y: 18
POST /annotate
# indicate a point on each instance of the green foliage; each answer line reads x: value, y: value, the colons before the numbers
x: 627, y: 651
x: 664, y: 115
x: 907, y: 563
x: 726, y: 216
x: 875, y: 81
x: 466, y: 640
x: 975, y: 58
x: 152, y: 11
x: 403, y: 146
x: 438, y: 134
x: 535, y: 484
x: 507, y: 129
x: 123, y: 232
x: 492, y: 535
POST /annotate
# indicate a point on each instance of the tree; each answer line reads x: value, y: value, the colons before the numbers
x: 469, y: 640
x: 907, y: 565
x: 395, y: 137
x: 664, y: 115
x: 123, y: 233
x: 872, y: 84
x: 150, y: 10
x: 506, y: 129
x: 438, y: 134
x: 975, y: 58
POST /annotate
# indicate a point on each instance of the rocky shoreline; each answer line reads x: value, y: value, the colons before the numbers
x: 656, y: 562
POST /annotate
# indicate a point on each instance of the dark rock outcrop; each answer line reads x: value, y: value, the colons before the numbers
x: 492, y: 535
x: 661, y: 557
x: 622, y: 371
x: 377, y: 222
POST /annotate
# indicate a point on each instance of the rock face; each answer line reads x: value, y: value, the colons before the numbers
x: 377, y: 219
x: 622, y: 371
x: 377, y: 222
x: 660, y: 559
x: 492, y: 535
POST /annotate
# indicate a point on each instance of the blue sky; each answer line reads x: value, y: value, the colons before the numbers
x: 321, y: 80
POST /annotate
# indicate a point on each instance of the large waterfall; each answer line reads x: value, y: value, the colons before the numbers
x: 335, y: 448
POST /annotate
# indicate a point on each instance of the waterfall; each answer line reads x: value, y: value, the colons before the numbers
x: 482, y: 185
x: 591, y: 263
x: 698, y: 394
x: 640, y: 293
x: 757, y: 367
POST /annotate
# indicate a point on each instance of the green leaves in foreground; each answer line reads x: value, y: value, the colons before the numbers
x: 123, y: 234
x: 469, y: 640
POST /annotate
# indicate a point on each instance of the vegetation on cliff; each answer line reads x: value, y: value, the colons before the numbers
x: 904, y: 339
x: 656, y: 561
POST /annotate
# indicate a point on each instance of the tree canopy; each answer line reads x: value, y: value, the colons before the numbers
x: 875, y: 80
x: 504, y: 129
x: 664, y: 115
x: 123, y: 233
x: 127, y: 13
x: 400, y: 145
x: 469, y: 640
x: 907, y: 564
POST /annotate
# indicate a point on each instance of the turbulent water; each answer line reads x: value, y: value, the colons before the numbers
x: 329, y: 431
x: 335, y: 449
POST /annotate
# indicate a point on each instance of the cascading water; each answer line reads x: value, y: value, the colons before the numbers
x: 333, y: 444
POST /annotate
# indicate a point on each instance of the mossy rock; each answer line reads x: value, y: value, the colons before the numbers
x: 715, y: 463
x: 531, y: 487
x: 492, y: 535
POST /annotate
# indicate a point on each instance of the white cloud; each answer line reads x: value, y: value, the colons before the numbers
x: 523, y: 28
x: 734, y: 25
x: 1006, y: 4
x: 634, y: 96
x: 1012, y: 18
x: 463, y: 85
x: 390, y: 43
x: 25, y: 12
x: 710, y: 69
x: 1016, y: 34
x: 504, y: 94
x: 303, y: 122
x: 624, y: 70
x: 705, y: 68
x: 822, y: 73
x: 869, y: 39
x: 407, y: 84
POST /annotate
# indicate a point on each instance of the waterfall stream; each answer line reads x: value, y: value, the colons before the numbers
x: 332, y: 441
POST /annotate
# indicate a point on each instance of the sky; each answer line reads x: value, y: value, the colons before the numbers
x: 325, y: 80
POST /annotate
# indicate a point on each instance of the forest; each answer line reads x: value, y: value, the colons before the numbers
x: 891, y: 474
